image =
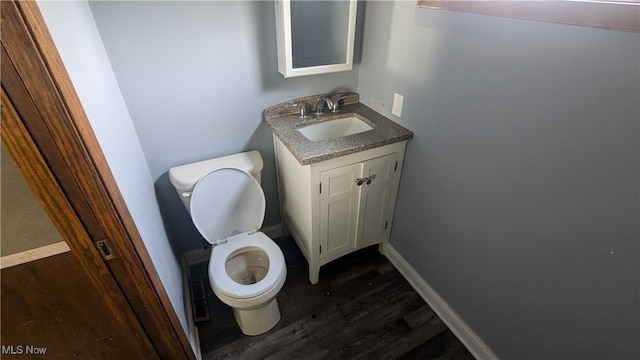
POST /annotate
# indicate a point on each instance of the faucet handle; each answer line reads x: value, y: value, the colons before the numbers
x: 320, y: 104
x: 335, y: 103
x: 303, y: 109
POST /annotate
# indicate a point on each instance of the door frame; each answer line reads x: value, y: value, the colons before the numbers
x: 53, y: 124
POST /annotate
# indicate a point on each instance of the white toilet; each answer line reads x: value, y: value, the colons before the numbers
x: 226, y: 203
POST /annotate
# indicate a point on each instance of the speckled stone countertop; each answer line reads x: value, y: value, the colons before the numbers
x: 285, y: 120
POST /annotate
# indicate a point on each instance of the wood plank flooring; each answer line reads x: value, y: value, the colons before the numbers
x: 362, y: 308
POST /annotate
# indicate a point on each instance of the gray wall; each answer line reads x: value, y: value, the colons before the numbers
x: 196, y: 77
x: 77, y: 39
x: 519, y: 197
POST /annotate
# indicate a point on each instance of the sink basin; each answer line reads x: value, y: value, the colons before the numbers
x: 332, y: 129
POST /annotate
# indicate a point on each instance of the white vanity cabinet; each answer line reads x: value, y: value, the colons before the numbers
x: 336, y: 206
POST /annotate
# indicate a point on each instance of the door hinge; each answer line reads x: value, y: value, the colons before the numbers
x: 386, y: 223
x: 395, y: 168
x: 320, y: 249
x: 105, y: 249
x: 320, y: 188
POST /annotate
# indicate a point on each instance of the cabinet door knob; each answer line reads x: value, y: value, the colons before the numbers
x: 367, y: 180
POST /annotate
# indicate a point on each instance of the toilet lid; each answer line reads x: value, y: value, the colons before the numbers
x: 226, y: 202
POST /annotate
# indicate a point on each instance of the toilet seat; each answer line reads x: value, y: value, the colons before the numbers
x: 221, y: 253
x: 227, y: 207
x: 225, y: 202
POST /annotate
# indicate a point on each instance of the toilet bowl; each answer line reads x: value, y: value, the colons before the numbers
x: 247, y: 273
x: 246, y: 268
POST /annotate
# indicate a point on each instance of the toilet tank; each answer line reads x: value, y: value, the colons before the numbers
x: 185, y: 177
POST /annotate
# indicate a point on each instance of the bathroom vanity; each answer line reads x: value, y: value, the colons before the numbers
x: 337, y: 192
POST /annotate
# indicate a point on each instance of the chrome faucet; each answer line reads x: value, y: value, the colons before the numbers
x: 320, y: 104
x: 336, y: 101
x: 302, y: 109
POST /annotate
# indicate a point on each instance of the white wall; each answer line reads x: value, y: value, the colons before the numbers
x: 76, y: 37
x: 519, y: 194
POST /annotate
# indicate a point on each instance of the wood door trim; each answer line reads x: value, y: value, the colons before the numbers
x: 81, y: 168
x: 42, y: 182
x: 36, y: 126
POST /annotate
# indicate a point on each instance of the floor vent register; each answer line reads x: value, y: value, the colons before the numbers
x: 199, y: 301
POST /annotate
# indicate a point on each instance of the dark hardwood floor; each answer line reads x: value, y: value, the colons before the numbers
x: 362, y: 308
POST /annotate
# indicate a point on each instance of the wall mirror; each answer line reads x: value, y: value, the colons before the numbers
x: 315, y: 37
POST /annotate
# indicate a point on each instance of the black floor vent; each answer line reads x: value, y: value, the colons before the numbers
x: 199, y: 301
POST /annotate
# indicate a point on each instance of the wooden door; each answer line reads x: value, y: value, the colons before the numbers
x: 374, y: 203
x: 46, y: 131
x: 49, y: 304
x: 50, y: 307
x: 339, y: 199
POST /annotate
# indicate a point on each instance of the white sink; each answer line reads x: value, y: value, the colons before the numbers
x: 332, y: 129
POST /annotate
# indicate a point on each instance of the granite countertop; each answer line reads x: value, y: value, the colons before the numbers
x: 284, y: 121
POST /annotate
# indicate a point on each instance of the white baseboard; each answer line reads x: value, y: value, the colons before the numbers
x: 194, y: 338
x: 463, y: 332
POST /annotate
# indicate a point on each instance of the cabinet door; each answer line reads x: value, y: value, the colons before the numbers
x: 374, y: 203
x: 339, y: 202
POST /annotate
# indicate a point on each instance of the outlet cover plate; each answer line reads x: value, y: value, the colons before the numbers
x: 397, y: 104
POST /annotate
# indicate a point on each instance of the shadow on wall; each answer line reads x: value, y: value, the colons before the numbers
x: 265, y: 29
x: 262, y: 140
x: 357, y: 45
x: 183, y: 235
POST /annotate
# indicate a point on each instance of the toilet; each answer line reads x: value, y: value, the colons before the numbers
x: 227, y: 205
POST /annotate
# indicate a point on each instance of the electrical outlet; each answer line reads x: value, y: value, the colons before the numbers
x: 397, y: 104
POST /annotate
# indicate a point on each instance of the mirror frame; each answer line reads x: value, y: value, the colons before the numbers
x: 284, y: 41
